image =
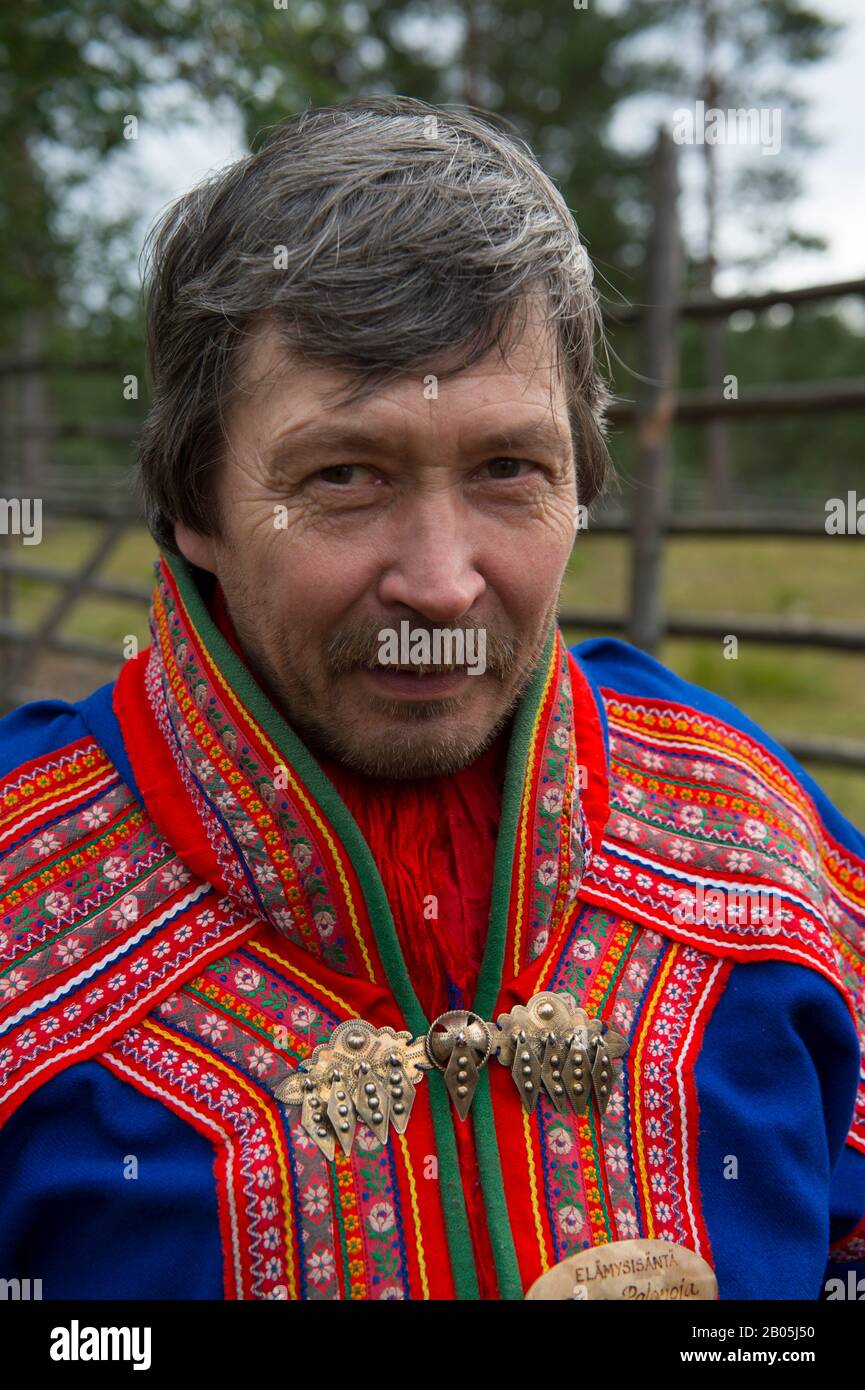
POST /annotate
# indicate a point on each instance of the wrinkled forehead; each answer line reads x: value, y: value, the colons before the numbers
x: 273, y: 376
x: 298, y: 410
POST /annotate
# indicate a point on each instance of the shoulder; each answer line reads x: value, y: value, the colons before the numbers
x: 45, y: 737
x: 36, y: 730
x: 51, y: 764
x: 640, y: 693
x: 717, y: 836
x: 99, y: 917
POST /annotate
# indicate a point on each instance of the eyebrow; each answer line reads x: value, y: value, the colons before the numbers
x: 541, y: 435
x: 327, y: 437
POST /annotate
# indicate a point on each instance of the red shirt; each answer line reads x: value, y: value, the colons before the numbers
x: 433, y: 841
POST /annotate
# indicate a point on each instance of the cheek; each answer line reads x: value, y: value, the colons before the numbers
x: 526, y: 575
x: 308, y: 588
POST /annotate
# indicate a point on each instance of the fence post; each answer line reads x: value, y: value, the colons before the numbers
x: 659, y: 361
x: 32, y: 645
x: 7, y: 395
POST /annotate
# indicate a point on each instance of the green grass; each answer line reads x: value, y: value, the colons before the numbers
x: 789, y: 691
x: 66, y: 546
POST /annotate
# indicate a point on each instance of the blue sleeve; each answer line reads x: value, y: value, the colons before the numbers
x: 848, y: 1195
x: 42, y: 726
x: 71, y: 1214
x: 36, y: 729
x: 608, y: 662
x: 776, y: 1084
x: 848, y: 1207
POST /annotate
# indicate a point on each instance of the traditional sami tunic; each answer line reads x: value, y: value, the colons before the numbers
x: 191, y: 903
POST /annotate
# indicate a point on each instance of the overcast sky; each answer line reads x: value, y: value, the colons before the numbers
x: 153, y: 170
x: 834, y: 178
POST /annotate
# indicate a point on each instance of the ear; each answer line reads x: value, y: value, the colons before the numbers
x: 197, y: 549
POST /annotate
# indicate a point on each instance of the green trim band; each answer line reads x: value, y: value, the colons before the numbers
x: 492, y: 1185
x: 492, y: 967
x: 490, y: 980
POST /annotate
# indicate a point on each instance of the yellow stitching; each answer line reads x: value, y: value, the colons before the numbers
x: 64, y: 788
x: 237, y: 1078
x: 564, y: 927
x: 299, y: 792
x: 533, y: 1190
x: 415, y: 1216
x: 521, y: 861
x: 301, y: 975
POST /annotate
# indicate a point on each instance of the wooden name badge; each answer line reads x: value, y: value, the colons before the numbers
x: 629, y: 1271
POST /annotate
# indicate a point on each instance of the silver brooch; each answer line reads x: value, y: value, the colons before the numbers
x: 371, y: 1074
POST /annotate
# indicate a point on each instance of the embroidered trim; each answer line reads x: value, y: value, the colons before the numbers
x: 697, y: 805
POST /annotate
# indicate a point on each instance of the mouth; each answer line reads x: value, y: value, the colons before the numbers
x: 417, y: 682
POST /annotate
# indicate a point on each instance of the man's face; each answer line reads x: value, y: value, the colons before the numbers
x: 445, y: 503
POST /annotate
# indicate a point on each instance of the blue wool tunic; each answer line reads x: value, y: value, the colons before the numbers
x: 106, y: 1193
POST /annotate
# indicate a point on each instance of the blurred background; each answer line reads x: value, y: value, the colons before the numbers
x: 729, y: 256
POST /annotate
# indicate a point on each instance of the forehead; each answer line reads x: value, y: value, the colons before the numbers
x: 280, y: 386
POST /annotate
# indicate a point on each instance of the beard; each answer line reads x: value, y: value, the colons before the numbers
x: 378, y: 736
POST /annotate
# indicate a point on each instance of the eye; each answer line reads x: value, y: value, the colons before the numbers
x: 342, y: 474
x: 503, y: 469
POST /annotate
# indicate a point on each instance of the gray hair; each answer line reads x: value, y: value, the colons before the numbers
x: 377, y: 235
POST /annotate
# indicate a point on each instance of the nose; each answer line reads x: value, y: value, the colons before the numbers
x: 433, y: 568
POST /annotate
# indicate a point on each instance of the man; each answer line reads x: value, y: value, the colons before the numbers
x: 594, y: 939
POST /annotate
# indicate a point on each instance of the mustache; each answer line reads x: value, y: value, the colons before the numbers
x: 359, y: 647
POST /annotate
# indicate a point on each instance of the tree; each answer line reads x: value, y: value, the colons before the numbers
x: 76, y: 71
x: 745, y: 56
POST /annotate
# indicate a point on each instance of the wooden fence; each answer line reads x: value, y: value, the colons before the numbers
x: 658, y: 406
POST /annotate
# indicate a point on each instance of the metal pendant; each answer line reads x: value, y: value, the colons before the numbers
x: 361, y: 1073
x: 552, y: 1041
x: 342, y: 1111
x: 459, y: 1043
x: 553, y: 1072
x: 526, y: 1068
x: 313, y: 1117
x: 577, y: 1074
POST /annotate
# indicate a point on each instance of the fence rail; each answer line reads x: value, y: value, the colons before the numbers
x: 701, y: 305
x: 793, y: 632
x: 787, y: 398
